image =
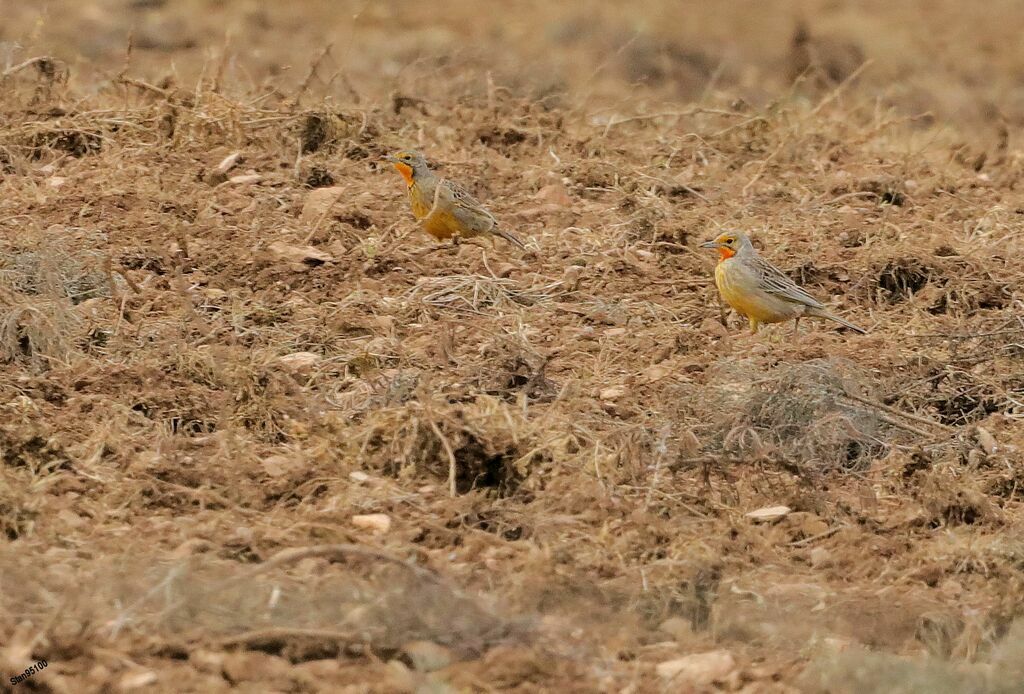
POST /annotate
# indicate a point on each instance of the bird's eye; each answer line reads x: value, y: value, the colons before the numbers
x: 729, y: 241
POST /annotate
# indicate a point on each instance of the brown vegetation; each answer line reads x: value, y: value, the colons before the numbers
x: 253, y: 434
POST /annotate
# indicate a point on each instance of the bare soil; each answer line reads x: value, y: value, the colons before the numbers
x: 257, y: 432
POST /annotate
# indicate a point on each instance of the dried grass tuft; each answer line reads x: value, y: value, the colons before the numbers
x: 860, y: 670
x: 323, y: 606
x: 41, y: 333
x: 801, y: 412
x: 53, y: 270
x: 481, y: 444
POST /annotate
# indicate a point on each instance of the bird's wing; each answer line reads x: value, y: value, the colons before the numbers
x: 462, y: 198
x: 774, y: 281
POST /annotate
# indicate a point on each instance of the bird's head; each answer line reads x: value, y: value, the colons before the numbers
x: 729, y: 244
x: 409, y: 163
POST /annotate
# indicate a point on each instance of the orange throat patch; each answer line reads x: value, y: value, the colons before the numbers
x: 725, y: 253
x: 406, y: 172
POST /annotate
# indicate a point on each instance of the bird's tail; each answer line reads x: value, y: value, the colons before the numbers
x: 510, y: 238
x: 837, y: 319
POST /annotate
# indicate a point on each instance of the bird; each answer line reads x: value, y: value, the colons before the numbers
x: 760, y: 291
x: 445, y: 209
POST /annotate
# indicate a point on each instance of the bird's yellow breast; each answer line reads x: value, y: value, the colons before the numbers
x: 741, y: 291
x: 442, y: 225
x: 418, y: 201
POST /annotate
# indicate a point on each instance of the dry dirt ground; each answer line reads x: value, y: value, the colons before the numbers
x: 257, y: 434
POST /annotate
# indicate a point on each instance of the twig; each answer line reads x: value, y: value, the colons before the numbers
x: 339, y: 551
x: 38, y: 60
x: 820, y: 536
x: 247, y: 638
x: 145, y: 86
x: 906, y: 427
x: 612, y: 121
x: 858, y: 194
x: 831, y: 96
x: 685, y: 187
x: 951, y: 336
x: 452, y: 465
x: 705, y: 460
x: 899, y: 413
x: 313, y: 67
x: 764, y: 165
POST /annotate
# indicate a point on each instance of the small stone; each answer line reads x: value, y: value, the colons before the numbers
x: 677, y: 627
x: 319, y: 202
x: 220, y: 173
x: 554, y: 194
x: 663, y: 353
x: 299, y: 362
x: 57, y: 181
x: 213, y: 293
x: 571, y: 277
x: 399, y: 678
x: 321, y: 669
x: 713, y: 327
x: 820, y: 557
x: 768, y: 514
x: 245, y: 179
x: 376, y: 522
x: 134, y: 680
x: 299, y: 258
x: 277, y: 465
x: 987, y: 441
x: 426, y: 656
x: 227, y: 163
x: 206, y: 661
x: 249, y: 666
x: 70, y: 518
x: 191, y: 547
x: 653, y: 374
x: 614, y: 332
x: 612, y: 393
x: 806, y: 524
x: 504, y: 269
x: 698, y: 669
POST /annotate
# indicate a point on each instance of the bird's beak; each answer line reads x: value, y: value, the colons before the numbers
x: 710, y: 244
x: 391, y: 158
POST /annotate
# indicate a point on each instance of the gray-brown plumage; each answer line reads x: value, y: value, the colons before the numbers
x: 445, y: 209
x: 759, y: 290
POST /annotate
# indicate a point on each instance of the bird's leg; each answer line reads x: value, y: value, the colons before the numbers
x: 454, y: 246
x: 796, y: 326
x: 754, y: 325
x: 721, y: 312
